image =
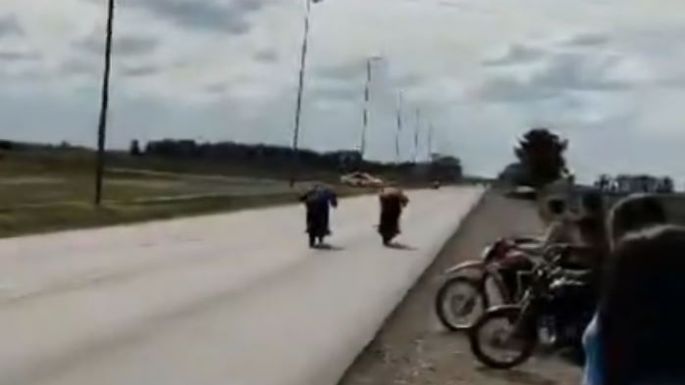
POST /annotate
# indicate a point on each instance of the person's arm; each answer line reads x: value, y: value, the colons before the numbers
x: 554, y: 234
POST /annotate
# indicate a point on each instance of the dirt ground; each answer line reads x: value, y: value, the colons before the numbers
x: 413, y: 348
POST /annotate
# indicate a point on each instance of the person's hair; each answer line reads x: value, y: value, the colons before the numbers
x: 593, y: 202
x: 641, y: 316
x: 556, y: 206
x: 635, y: 213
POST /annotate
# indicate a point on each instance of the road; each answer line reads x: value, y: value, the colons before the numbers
x: 413, y: 348
x: 224, y: 299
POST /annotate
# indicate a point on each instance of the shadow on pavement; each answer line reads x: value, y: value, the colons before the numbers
x: 327, y: 247
x: 519, y: 376
x: 400, y: 246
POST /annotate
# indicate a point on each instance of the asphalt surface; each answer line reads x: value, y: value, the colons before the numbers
x: 413, y: 348
x: 225, y: 299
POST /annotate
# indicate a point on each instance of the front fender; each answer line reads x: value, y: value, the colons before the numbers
x: 470, y: 268
x: 468, y: 265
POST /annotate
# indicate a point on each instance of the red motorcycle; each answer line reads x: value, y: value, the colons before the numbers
x: 500, y: 276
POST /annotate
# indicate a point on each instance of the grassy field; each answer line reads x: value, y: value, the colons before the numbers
x: 53, y: 190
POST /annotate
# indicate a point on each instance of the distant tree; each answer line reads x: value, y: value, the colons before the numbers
x: 541, y: 152
x: 135, y: 148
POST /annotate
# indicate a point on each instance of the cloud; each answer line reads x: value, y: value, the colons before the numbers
x: 559, y: 73
x: 123, y: 45
x: 77, y: 66
x: 208, y: 15
x: 588, y: 40
x: 18, y: 56
x: 266, y: 56
x: 516, y: 54
x: 9, y: 26
x: 336, y: 90
x: 140, y: 70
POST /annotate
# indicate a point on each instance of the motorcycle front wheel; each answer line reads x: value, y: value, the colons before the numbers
x: 499, y: 341
x: 459, y: 303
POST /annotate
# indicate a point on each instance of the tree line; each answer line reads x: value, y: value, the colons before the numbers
x: 443, y: 167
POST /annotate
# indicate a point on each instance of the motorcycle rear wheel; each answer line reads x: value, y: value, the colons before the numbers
x: 522, y: 343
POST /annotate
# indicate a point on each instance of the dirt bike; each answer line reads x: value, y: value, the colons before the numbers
x: 554, y: 311
x: 471, y: 287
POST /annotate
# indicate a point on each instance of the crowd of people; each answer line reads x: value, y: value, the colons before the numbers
x: 637, y: 335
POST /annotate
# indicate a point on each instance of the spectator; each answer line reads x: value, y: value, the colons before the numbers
x: 639, y: 335
x: 635, y: 213
x: 629, y: 277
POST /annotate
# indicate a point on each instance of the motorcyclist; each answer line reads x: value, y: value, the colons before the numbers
x: 561, y: 230
x: 318, y: 201
x: 392, y: 201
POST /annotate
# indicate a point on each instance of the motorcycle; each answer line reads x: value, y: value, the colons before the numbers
x: 554, y: 311
x: 318, y: 220
x: 471, y: 287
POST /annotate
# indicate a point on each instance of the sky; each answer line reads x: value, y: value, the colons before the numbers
x: 608, y: 75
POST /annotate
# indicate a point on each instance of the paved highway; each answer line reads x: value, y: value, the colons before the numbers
x: 232, y: 299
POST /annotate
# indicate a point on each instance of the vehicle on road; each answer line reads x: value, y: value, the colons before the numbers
x: 473, y: 286
x: 361, y: 179
x: 554, y: 311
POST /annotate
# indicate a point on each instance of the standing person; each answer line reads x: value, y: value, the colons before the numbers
x: 592, y: 246
x: 318, y: 201
x: 638, y: 337
x: 633, y: 214
x: 393, y: 200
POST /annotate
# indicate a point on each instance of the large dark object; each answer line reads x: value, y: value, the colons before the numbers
x: 102, y: 125
x: 555, y: 310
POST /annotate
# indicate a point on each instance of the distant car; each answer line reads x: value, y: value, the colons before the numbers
x: 361, y: 179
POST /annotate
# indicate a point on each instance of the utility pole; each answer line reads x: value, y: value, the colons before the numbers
x: 430, y: 141
x: 102, y: 124
x: 367, y: 101
x: 300, y: 89
x: 416, y: 135
x: 399, y: 128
